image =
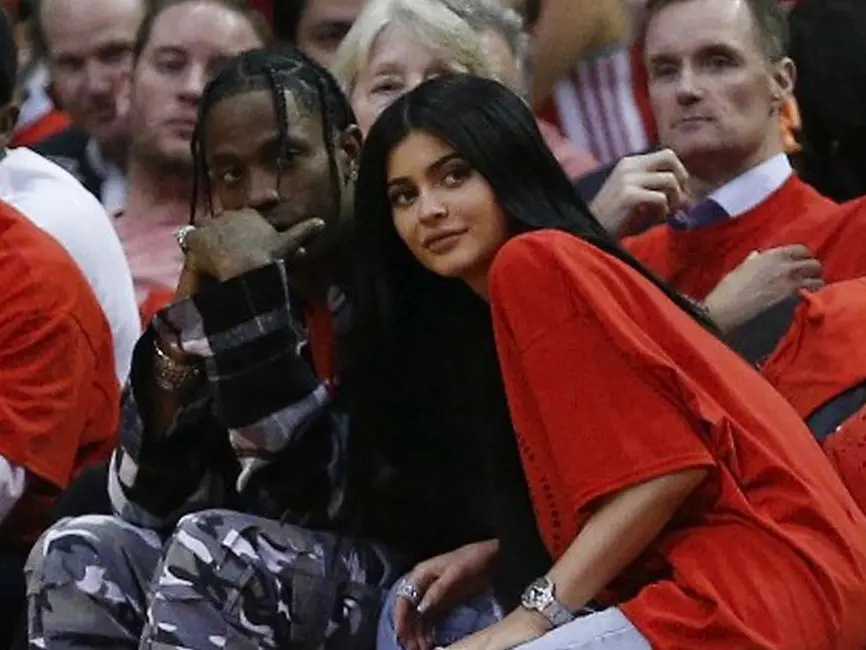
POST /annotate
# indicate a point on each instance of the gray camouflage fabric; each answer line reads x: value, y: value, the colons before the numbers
x: 223, y: 580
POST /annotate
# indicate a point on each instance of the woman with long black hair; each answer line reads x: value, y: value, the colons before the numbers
x: 670, y: 483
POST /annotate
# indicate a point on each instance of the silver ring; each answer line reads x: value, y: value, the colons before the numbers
x: 409, y: 590
x: 181, y: 235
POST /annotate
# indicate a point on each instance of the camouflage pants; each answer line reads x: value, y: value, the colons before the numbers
x: 223, y: 580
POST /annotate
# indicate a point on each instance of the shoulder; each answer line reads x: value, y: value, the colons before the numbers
x: 68, y: 149
x: 852, y: 212
x: 55, y: 200
x: 35, y: 172
x: 555, y: 273
x: 70, y: 142
x: 45, y: 278
x: 545, y: 255
x: 536, y: 251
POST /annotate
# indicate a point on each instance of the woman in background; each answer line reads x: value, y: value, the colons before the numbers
x: 395, y: 45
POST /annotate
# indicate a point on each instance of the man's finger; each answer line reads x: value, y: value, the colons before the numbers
x: 665, y: 161
x: 666, y: 182
x: 189, y: 283
x: 652, y: 205
x: 297, y: 236
x: 794, y: 252
x: 812, y: 284
x: 805, y: 269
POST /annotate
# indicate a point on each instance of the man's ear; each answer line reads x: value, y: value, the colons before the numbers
x: 349, y: 146
x: 784, y: 76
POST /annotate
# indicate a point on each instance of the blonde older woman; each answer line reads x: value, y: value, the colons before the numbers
x: 396, y: 45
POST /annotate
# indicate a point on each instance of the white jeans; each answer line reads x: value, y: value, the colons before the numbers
x: 607, y: 630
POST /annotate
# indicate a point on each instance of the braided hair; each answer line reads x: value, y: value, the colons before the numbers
x: 280, y: 70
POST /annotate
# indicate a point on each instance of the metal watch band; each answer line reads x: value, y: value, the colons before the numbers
x: 540, y: 596
x: 556, y: 613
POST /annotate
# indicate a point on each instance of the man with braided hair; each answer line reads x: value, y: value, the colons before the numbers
x: 236, y: 402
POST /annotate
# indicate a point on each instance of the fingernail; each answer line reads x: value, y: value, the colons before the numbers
x: 319, y: 223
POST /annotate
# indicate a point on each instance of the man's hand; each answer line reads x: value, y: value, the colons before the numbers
x: 238, y: 241
x: 443, y: 581
x: 641, y: 188
x: 762, y: 281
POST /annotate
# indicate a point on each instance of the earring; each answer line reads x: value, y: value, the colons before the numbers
x: 353, y: 173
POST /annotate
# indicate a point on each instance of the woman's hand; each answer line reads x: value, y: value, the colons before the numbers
x: 442, y: 582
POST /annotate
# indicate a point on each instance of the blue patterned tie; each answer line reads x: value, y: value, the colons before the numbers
x: 699, y: 215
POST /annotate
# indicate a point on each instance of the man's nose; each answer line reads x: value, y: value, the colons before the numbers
x: 688, y: 86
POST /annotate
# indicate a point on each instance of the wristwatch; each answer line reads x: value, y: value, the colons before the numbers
x: 540, y: 596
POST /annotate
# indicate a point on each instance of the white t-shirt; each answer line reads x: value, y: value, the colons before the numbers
x: 55, y: 201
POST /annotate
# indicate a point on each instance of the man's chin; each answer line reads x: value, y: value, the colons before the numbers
x: 696, y: 147
x: 170, y: 160
x: 113, y: 141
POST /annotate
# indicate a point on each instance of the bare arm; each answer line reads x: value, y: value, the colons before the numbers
x: 619, y: 531
x: 566, y: 31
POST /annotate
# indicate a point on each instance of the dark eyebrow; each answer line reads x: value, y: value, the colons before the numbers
x: 661, y: 58
x: 713, y: 49
x: 271, y: 143
x: 431, y: 169
x: 169, y: 50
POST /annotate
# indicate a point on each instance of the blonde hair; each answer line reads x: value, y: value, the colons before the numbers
x: 433, y: 23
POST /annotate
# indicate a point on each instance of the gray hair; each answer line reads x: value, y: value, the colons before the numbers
x: 430, y: 20
x: 771, y: 24
x: 492, y: 16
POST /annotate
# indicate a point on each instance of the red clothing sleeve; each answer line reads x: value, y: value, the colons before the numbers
x: 47, y: 365
x: 58, y: 391
x: 610, y: 384
x: 584, y: 383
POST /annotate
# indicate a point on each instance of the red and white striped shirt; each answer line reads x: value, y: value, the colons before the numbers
x: 603, y: 106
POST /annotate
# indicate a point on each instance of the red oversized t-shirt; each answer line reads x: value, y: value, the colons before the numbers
x: 59, y: 397
x: 695, y: 261
x: 610, y: 385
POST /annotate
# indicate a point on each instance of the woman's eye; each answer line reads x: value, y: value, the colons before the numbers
x: 387, y: 88
x: 457, y: 176
x: 400, y: 199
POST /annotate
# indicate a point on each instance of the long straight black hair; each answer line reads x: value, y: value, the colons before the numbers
x: 428, y: 339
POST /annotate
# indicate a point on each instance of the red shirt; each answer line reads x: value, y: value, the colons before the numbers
x: 822, y: 356
x: 59, y: 397
x: 46, y: 126
x: 609, y: 386
x: 695, y: 261
x: 823, y: 353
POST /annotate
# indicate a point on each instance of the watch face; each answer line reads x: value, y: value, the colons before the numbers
x: 538, y: 594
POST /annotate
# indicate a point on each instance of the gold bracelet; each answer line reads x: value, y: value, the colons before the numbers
x: 171, y: 375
